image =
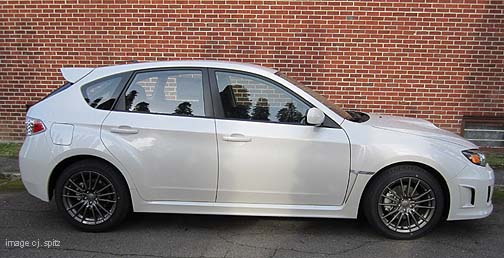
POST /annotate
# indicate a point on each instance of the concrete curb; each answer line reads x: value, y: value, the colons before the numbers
x: 10, y: 176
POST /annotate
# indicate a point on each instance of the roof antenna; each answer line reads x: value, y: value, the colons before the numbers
x: 133, y: 61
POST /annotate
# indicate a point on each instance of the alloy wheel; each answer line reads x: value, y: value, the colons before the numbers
x: 89, y: 197
x: 407, y: 205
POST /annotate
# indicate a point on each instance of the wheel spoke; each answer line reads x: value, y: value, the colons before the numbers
x: 99, y: 212
x: 408, y: 187
x: 70, y: 189
x: 83, y: 180
x: 71, y: 196
x: 425, y: 200
x: 106, y: 200
x: 94, y: 215
x: 394, y: 193
x: 402, y: 187
x: 419, y: 215
x: 393, y: 218
x: 105, y: 187
x: 424, y: 207
x: 390, y: 213
x: 84, y: 213
x: 399, y: 221
x: 75, y: 205
x: 409, y: 221
x: 76, y: 185
x: 422, y: 195
x: 416, y: 186
x: 415, y: 220
x: 90, y: 177
x: 99, y: 205
x: 105, y: 194
x: 387, y: 204
x: 77, y: 212
x: 96, y: 181
x: 390, y: 198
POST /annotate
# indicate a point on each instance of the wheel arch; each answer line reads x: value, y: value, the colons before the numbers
x: 433, y: 171
x: 63, y: 164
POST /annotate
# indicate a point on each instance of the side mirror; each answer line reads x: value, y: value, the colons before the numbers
x: 314, y: 116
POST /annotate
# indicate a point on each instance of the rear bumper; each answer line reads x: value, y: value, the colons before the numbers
x: 471, y: 193
x: 33, y: 165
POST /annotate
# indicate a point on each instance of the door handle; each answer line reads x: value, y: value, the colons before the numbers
x: 124, y: 129
x: 236, y: 137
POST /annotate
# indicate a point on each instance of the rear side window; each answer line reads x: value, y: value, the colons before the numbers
x: 102, y: 94
x: 60, y: 89
x: 176, y: 92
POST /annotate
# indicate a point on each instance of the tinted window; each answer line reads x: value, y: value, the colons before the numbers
x: 251, y: 98
x: 60, y: 89
x: 166, y: 92
x: 102, y: 94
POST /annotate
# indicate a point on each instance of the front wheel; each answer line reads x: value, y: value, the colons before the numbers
x: 404, y: 202
x: 92, y: 195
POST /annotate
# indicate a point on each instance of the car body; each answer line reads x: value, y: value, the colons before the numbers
x: 212, y: 137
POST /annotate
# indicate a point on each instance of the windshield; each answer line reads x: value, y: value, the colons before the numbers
x: 318, y: 97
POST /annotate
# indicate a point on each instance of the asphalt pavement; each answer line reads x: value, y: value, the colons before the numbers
x: 32, y: 228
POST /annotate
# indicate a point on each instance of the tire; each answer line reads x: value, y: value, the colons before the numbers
x: 399, y: 210
x: 92, y: 196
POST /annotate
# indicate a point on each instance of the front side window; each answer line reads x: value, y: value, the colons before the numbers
x: 322, y: 99
x: 102, y: 94
x: 248, y: 97
x: 178, y: 92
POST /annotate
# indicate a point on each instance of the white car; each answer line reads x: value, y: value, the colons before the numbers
x: 210, y: 137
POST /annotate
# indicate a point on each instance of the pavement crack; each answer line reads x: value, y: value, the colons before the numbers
x: 344, y: 251
x: 275, y: 250
x: 274, y: 253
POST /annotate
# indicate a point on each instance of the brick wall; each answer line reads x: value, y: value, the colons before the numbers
x: 438, y: 60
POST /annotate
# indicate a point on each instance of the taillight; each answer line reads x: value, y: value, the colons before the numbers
x: 34, y: 126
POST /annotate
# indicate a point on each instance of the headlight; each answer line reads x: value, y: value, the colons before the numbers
x: 475, y: 157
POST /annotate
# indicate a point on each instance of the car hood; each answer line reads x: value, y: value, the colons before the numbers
x: 419, y: 127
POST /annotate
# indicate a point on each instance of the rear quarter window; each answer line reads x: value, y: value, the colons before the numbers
x: 102, y: 94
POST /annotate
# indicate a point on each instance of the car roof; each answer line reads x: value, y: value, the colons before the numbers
x: 74, y: 74
x: 191, y: 63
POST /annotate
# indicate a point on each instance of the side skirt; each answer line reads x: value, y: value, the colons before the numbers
x: 348, y: 210
x: 246, y: 209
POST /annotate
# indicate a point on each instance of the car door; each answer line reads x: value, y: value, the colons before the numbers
x: 162, y: 130
x: 267, y: 154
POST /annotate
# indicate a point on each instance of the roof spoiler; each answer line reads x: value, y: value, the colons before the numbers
x: 75, y: 74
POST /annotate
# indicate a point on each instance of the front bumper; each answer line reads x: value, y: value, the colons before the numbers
x: 471, y: 193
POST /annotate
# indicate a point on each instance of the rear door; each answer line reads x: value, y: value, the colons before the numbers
x: 162, y: 130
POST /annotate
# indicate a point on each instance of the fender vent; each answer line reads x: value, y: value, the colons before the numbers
x: 473, y: 196
x: 489, y: 194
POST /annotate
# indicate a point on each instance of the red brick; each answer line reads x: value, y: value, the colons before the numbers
x: 439, y: 60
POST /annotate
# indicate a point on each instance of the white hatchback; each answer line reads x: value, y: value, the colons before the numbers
x: 209, y: 137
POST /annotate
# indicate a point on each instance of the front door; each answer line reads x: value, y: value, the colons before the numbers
x: 162, y: 132
x: 267, y: 154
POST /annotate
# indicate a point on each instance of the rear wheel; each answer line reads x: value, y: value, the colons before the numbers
x: 92, y: 195
x: 404, y: 202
